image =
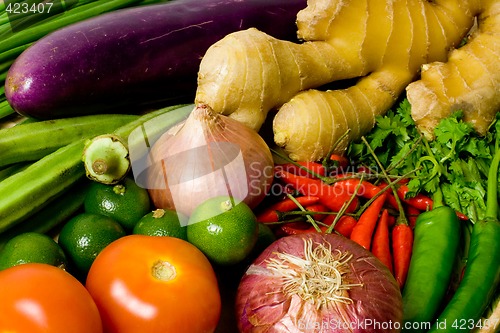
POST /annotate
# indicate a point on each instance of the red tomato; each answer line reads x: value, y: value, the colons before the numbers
x: 43, y: 298
x: 154, y: 284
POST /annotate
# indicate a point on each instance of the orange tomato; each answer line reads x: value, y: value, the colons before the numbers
x: 154, y: 284
x: 43, y: 298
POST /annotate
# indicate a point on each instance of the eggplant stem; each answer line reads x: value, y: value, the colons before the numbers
x: 317, y: 277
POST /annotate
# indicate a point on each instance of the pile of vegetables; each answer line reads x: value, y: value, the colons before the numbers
x: 18, y: 32
x: 365, y: 137
x: 459, y: 168
x: 339, y: 200
x: 133, y: 58
x: 383, y: 47
x: 54, y: 171
x: 434, y: 251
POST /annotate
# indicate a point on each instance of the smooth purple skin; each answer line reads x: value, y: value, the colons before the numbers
x: 134, y: 56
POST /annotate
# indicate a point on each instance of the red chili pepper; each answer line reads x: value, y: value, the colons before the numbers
x: 363, y: 230
x: 295, y: 228
x: 421, y: 201
x: 344, y: 225
x: 402, y: 244
x: 342, y: 161
x: 315, y: 167
x: 332, y: 196
x: 381, y: 245
x: 270, y: 214
x: 368, y: 190
x: 317, y: 208
x: 412, y: 214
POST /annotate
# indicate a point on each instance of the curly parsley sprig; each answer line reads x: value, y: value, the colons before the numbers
x: 462, y: 155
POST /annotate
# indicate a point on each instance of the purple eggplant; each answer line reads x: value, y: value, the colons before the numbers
x: 134, y: 57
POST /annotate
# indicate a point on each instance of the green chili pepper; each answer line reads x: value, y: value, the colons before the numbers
x: 482, y: 271
x: 436, y: 242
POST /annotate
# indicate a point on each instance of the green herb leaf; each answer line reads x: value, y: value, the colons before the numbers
x: 461, y: 156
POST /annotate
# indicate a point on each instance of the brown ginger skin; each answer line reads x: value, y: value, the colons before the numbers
x: 383, y: 43
x: 468, y: 81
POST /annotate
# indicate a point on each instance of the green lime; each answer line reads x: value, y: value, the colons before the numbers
x: 125, y: 202
x: 161, y: 222
x: 223, y: 230
x: 84, y: 236
x: 32, y: 247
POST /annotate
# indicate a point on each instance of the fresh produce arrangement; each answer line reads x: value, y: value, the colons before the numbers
x: 93, y: 68
x: 385, y: 46
x: 62, y: 13
x: 250, y: 166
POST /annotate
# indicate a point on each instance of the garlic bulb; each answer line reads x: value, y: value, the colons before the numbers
x: 209, y: 155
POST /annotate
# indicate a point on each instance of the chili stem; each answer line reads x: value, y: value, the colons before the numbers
x: 344, y: 208
x: 402, y: 215
x: 326, y: 161
x: 286, y: 158
x: 309, y: 217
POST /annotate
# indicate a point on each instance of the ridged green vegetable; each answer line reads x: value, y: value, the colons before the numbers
x: 57, y: 212
x: 27, y: 192
x: 7, y: 171
x: 33, y: 141
x: 106, y: 159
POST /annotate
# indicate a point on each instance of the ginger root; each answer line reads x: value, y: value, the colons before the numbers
x: 383, y: 43
x: 469, y: 81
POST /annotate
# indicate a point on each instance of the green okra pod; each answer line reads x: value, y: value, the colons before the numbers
x: 32, y: 141
x: 28, y: 191
x: 52, y: 215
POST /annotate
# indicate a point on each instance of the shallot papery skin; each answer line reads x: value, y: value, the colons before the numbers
x: 372, y: 303
x: 210, y: 155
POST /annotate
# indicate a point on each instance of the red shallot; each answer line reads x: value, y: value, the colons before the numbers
x: 318, y: 283
x: 209, y: 155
